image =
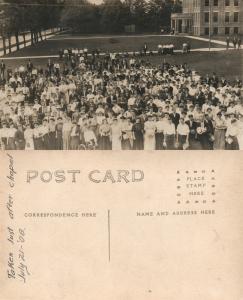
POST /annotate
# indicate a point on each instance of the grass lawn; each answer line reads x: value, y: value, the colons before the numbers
x: 223, y: 63
x: 116, y: 44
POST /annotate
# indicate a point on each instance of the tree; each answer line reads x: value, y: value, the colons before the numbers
x: 139, y: 11
x: 156, y: 14
x: 83, y: 18
x: 113, y: 16
x: 109, y: 17
x: 29, y: 15
x: 13, y: 22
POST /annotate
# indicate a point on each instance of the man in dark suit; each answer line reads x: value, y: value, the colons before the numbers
x: 205, y: 132
x: 175, y: 117
x: 239, y: 43
x: 193, y: 143
x: 209, y: 125
x: 29, y: 66
x: 214, y: 81
x: 50, y: 67
x: 234, y: 41
x: 2, y: 69
x: 199, y: 97
x: 227, y: 43
x: 145, y: 49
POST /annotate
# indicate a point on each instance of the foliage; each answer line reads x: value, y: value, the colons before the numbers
x: 111, y: 16
x: 20, y: 16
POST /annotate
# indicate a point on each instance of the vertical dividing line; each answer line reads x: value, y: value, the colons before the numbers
x: 109, y: 236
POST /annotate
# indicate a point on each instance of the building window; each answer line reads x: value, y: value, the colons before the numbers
x: 227, y: 30
x: 236, y: 30
x: 206, y: 3
x: 206, y: 31
x: 215, y: 30
x: 215, y: 17
x: 227, y: 2
x: 227, y: 17
x: 236, y: 17
x: 236, y: 2
x: 206, y: 17
x: 215, y: 2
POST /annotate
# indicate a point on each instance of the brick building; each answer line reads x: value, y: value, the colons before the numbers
x: 201, y: 17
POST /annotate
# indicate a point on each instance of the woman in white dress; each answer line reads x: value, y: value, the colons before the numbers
x: 116, y: 135
x: 232, y: 134
x: 11, y: 137
x: 29, y: 138
x: 240, y: 136
x: 127, y: 135
x: 149, y: 136
x: 66, y: 131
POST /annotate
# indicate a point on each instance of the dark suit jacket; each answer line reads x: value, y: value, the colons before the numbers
x: 193, y: 127
x: 175, y: 118
x: 2, y: 67
x: 29, y: 66
x: 209, y: 125
x: 50, y: 66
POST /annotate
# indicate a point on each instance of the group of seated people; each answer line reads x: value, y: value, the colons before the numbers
x: 81, y: 53
x: 118, y: 103
x: 166, y: 49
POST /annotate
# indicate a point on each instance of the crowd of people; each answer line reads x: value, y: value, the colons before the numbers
x: 117, y: 102
x: 236, y: 41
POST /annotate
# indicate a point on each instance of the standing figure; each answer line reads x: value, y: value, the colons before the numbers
x: 45, y: 135
x: 89, y: 137
x: 159, y: 136
x: 75, y: 136
x: 149, y: 136
x: 66, y: 130
x: 138, y: 132
x: 239, y: 43
x: 59, y: 138
x: 235, y: 41
x: 183, y: 135
x: 50, y: 67
x: 145, y: 49
x: 19, y: 138
x: 4, y: 135
x: 227, y: 43
x: 38, y: 141
x: 11, y: 137
x: 29, y: 137
x: 240, y: 127
x: 29, y: 66
x: 52, y: 134
x: 169, y: 132
x: 105, y: 136
x: 2, y: 70
x: 127, y: 135
x: 116, y: 135
x: 194, y: 144
x: 232, y: 134
x: 219, y: 133
x: 203, y: 133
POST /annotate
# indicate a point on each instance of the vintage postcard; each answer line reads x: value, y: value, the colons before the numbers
x: 121, y: 123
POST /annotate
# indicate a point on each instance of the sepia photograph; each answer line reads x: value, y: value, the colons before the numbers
x: 110, y: 98
x: 121, y: 75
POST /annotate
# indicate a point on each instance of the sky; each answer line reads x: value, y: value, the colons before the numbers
x: 96, y: 1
